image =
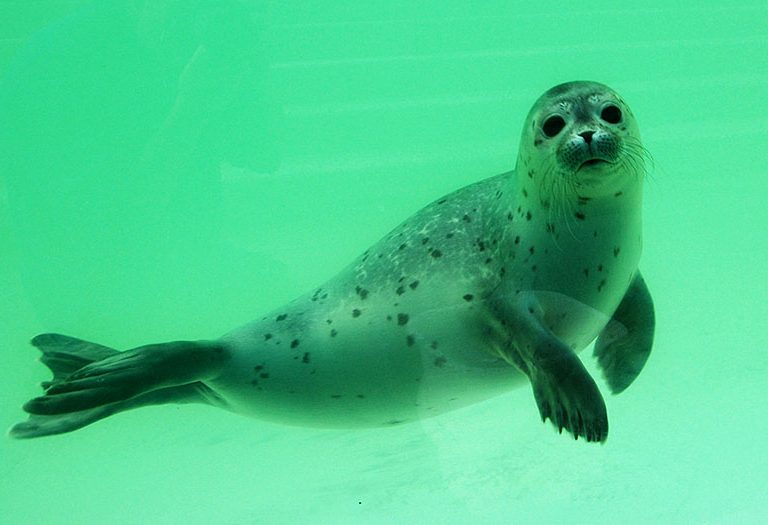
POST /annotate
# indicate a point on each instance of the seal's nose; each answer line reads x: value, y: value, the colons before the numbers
x: 587, y: 136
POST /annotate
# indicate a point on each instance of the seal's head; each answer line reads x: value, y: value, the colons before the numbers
x: 581, y: 135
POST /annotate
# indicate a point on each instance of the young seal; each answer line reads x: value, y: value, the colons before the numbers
x: 501, y: 281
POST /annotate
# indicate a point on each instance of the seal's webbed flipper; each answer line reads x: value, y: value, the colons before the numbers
x: 91, y: 382
x: 625, y: 343
x: 565, y: 393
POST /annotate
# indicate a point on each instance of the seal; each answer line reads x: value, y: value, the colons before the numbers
x: 497, y: 284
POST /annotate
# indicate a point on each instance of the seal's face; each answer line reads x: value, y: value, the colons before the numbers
x: 583, y: 135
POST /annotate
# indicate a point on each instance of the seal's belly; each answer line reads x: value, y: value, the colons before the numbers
x: 367, y: 367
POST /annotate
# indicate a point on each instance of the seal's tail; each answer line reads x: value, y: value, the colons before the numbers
x: 91, y: 382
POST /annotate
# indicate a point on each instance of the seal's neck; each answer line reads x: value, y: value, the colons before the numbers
x: 601, y: 195
x: 565, y: 217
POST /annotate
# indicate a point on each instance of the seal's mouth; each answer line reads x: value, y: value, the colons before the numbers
x: 593, y: 162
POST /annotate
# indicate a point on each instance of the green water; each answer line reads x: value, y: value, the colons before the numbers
x: 171, y: 169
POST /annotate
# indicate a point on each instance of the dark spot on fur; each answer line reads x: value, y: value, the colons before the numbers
x: 442, y: 201
x: 525, y: 193
x: 616, y: 251
x: 264, y: 375
x: 510, y: 217
x: 258, y: 368
x: 400, y: 290
x: 599, y: 267
x: 336, y: 396
x: 600, y: 286
x: 410, y: 340
x: 305, y: 357
x: 579, y: 215
x: 586, y: 272
x: 468, y: 297
x: 294, y: 343
x: 436, y: 254
x: 362, y: 292
x: 403, y: 246
x: 440, y: 361
x: 425, y: 240
x: 389, y: 318
x: 281, y: 317
x: 528, y: 215
x: 433, y: 345
x: 466, y: 218
x: 267, y: 337
x: 550, y: 227
x: 517, y: 239
x: 414, y: 285
x: 532, y: 249
x: 618, y: 194
x: 356, y: 312
x: 334, y: 332
x: 402, y: 319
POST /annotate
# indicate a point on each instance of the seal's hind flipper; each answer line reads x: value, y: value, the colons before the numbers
x: 64, y: 355
x: 625, y: 343
x: 91, y: 381
x: 42, y: 425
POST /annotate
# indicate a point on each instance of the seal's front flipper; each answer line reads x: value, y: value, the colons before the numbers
x: 625, y: 343
x: 91, y: 382
x: 564, y: 391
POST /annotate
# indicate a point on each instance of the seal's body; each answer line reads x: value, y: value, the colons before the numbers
x: 496, y: 283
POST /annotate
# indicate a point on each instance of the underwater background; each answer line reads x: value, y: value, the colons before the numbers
x: 171, y: 169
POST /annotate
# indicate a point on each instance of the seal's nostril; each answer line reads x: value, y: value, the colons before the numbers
x: 587, y: 136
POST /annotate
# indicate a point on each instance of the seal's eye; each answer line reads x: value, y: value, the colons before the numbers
x: 553, y: 125
x: 611, y: 114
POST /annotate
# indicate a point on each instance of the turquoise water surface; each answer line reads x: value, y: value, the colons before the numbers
x: 171, y: 169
